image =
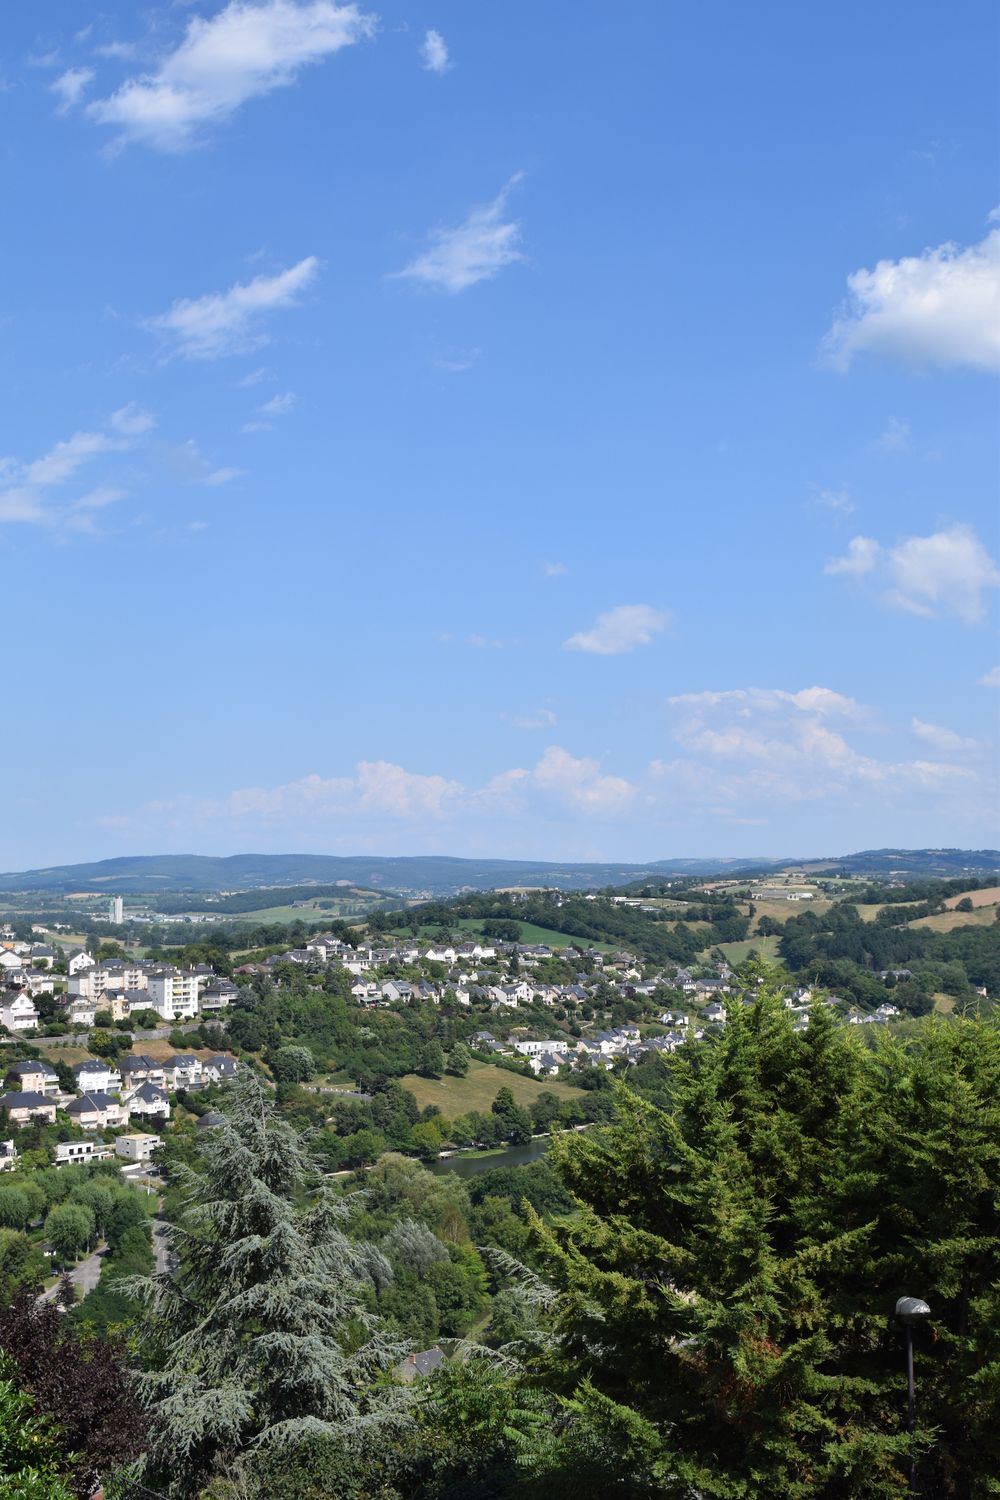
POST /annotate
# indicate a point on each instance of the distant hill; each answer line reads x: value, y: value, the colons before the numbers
x: 943, y: 863
x: 438, y: 875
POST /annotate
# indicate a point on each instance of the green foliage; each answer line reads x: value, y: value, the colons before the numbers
x: 30, y: 1458
x: 731, y: 1272
x: 292, y: 1064
x: 69, y: 1227
x: 263, y: 1335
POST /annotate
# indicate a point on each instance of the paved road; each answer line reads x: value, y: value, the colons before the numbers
x: 161, y: 1247
x: 85, y: 1274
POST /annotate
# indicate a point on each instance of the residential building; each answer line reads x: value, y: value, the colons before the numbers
x: 97, y: 1111
x: 17, y: 1012
x: 34, y: 1077
x: 136, y: 1146
x: 24, y: 1106
x: 147, y: 1101
x: 74, y: 1152
x: 173, y: 993
x: 94, y: 1074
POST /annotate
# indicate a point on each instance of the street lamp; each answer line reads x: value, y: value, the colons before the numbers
x: 910, y: 1310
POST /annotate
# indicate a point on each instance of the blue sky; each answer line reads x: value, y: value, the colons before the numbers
x: 529, y: 430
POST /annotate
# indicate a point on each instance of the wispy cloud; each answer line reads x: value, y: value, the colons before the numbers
x: 948, y: 572
x: 542, y: 718
x: 896, y: 437
x: 224, y: 323
x: 940, y: 308
x: 278, y: 406
x: 456, y: 361
x: 244, y: 51
x: 70, y: 87
x: 30, y: 491
x: 434, y: 52
x: 473, y: 251
x: 940, y: 738
x: 990, y: 678
x: 554, y: 569
x: 621, y: 629
x: 750, y: 746
x: 838, y: 500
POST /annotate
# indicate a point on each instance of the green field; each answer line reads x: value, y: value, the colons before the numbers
x: 529, y: 934
x: 737, y: 953
x: 479, y: 1088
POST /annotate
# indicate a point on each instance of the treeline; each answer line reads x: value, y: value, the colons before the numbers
x: 259, y: 900
x: 837, y: 948
x: 598, y: 921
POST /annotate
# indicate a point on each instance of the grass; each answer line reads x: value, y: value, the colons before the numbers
x: 946, y: 921
x: 869, y: 912
x: 479, y: 1088
x: 988, y: 896
x: 529, y: 934
x: 782, y: 910
x: 158, y: 1051
x: 944, y: 1004
x: 737, y: 953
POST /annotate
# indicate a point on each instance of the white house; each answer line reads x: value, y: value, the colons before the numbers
x: 18, y: 1013
x: 148, y: 1101
x: 535, y: 1049
x: 79, y: 961
x: 93, y: 1075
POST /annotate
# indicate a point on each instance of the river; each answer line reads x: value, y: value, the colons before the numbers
x: 514, y: 1156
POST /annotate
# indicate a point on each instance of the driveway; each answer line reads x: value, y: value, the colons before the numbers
x: 85, y: 1274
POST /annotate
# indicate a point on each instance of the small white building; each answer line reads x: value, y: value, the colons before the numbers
x: 19, y: 1013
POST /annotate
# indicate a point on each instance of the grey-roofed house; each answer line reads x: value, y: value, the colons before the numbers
x: 147, y: 1100
x: 96, y: 1111
x: 34, y: 1076
x: 421, y: 1364
x: 25, y: 1106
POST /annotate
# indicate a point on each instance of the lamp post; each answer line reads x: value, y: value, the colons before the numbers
x: 910, y: 1310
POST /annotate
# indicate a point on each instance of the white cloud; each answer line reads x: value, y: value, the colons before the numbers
x: 579, y: 782
x: 752, y: 745
x: 475, y: 250
x: 216, y: 477
x: 70, y: 87
x: 990, y: 678
x: 132, y: 420
x: 278, y: 406
x: 26, y: 487
x: 620, y: 629
x: 839, y: 500
x: 542, y: 718
x: 940, y: 738
x: 938, y: 308
x: 457, y: 361
x: 384, y: 789
x: 434, y: 52
x: 242, y: 52
x: 554, y: 569
x: 861, y: 557
x: 947, y: 572
x: 222, y: 323
x: 896, y: 436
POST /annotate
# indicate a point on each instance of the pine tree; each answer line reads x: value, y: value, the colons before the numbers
x: 731, y: 1273
x: 261, y: 1336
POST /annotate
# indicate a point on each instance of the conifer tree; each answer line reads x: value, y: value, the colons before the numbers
x: 731, y: 1274
x: 261, y: 1336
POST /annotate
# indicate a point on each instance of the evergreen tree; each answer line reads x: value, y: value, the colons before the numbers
x: 262, y: 1336
x: 732, y: 1270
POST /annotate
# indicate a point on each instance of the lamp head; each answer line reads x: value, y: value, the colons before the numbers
x: 912, y: 1309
